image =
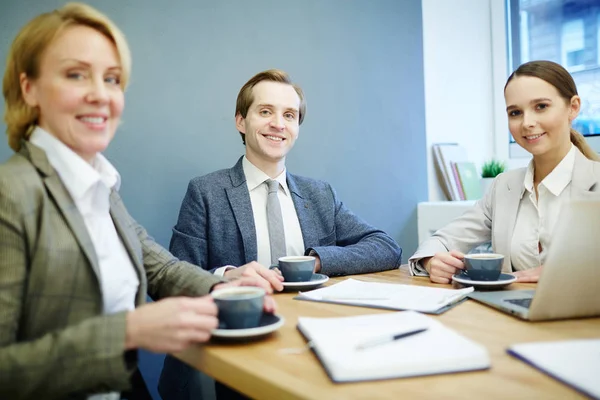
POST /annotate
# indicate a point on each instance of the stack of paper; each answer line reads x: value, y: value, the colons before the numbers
x: 388, y: 295
x: 339, y: 345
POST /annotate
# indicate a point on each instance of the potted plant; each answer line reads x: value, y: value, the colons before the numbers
x: 489, y: 171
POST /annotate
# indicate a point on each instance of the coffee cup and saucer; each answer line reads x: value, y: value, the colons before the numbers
x: 241, y: 315
x: 298, y: 273
x: 484, y: 271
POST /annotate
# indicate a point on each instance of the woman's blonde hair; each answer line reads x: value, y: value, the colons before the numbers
x: 560, y: 78
x: 27, y: 51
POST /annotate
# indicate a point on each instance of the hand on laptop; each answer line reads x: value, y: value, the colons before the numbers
x: 442, y: 266
x: 269, y: 278
x: 529, y: 275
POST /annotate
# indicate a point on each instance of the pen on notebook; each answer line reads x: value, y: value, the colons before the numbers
x: 388, y: 339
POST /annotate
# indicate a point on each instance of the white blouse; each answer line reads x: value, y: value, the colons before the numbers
x: 537, y: 216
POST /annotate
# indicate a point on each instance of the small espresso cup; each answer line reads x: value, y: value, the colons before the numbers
x: 484, y: 266
x: 239, y: 307
x: 297, y: 268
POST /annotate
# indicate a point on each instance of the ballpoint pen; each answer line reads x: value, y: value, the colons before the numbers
x: 388, y: 339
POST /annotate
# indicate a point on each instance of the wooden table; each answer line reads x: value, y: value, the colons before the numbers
x: 259, y: 370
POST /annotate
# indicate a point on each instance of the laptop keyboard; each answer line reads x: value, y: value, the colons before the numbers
x: 520, y: 302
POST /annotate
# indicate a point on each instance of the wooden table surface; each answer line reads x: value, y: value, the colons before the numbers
x: 260, y: 370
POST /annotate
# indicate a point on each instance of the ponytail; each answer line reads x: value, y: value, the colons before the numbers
x: 579, y: 141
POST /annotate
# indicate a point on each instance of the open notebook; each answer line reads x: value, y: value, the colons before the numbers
x: 437, y: 350
x: 574, y: 362
x: 391, y: 296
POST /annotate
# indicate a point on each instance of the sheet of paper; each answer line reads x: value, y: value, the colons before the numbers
x: 389, y: 295
x: 436, y: 350
x: 575, y: 362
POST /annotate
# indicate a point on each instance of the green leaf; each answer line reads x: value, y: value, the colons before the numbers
x: 492, y: 168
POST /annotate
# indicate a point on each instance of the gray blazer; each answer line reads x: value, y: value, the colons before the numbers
x: 493, y: 217
x: 216, y: 226
x: 55, y: 342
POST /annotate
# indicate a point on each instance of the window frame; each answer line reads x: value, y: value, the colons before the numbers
x: 504, y: 148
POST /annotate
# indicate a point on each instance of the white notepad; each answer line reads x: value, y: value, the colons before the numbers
x: 393, y: 296
x: 574, y: 362
x: 437, y: 350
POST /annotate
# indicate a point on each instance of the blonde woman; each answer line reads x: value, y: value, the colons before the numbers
x: 75, y: 267
x: 519, y: 212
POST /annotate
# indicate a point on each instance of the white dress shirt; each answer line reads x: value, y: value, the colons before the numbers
x: 257, y: 186
x: 89, y: 186
x: 258, y: 189
x: 537, y: 216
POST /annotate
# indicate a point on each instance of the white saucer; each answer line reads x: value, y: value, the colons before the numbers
x: 315, y: 281
x: 268, y: 323
x: 503, y: 280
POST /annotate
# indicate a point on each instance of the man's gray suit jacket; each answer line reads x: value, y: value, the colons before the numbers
x: 216, y: 226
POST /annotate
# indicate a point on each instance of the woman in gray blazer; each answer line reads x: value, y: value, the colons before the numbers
x: 519, y: 211
x: 75, y: 267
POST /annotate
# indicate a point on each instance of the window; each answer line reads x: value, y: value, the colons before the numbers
x: 566, y: 32
x: 598, y: 39
x: 572, y: 45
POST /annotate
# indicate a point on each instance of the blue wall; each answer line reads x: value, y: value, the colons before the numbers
x: 360, y: 63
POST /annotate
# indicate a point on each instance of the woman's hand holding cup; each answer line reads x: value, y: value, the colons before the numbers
x: 269, y: 304
x: 171, y: 324
x: 442, y: 266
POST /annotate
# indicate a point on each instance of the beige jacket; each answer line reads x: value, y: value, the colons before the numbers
x: 493, y: 217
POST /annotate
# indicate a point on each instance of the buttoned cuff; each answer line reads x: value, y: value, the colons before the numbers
x: 221, y: 270
x: 416, y: 269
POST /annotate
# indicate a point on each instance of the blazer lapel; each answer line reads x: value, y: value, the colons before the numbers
x: 239, y: 201
x: 64, y: 202
x: 128, y: 237
x: 584, y: 184
x: 507, y: 207
x: 306, y: 214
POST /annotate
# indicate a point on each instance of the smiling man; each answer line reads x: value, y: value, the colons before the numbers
x: 224, y: 217
x: 227, y: 217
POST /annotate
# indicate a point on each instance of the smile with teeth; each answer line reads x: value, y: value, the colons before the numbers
x: 93, y: 120
x: 274, y: 138
x: 533, y: 137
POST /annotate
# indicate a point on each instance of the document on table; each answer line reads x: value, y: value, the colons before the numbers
x: 435, y: 349
x: 391, y: 296
x: 574, y: 362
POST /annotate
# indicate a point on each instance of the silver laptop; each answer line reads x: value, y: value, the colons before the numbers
x: 569, y: 286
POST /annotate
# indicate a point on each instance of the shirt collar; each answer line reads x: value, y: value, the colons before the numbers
x: 77, y: 175
x: 255, y: 177
x: 558, y: 179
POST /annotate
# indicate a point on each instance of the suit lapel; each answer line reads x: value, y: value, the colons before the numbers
x: 508, y: 199
x: 584, y: 184
x: 239, y: 201
x: 63, y: 201
x: 127, y: 235
x: 306, y: 214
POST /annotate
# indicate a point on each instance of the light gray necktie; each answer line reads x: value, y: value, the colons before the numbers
x: 275, y: 222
